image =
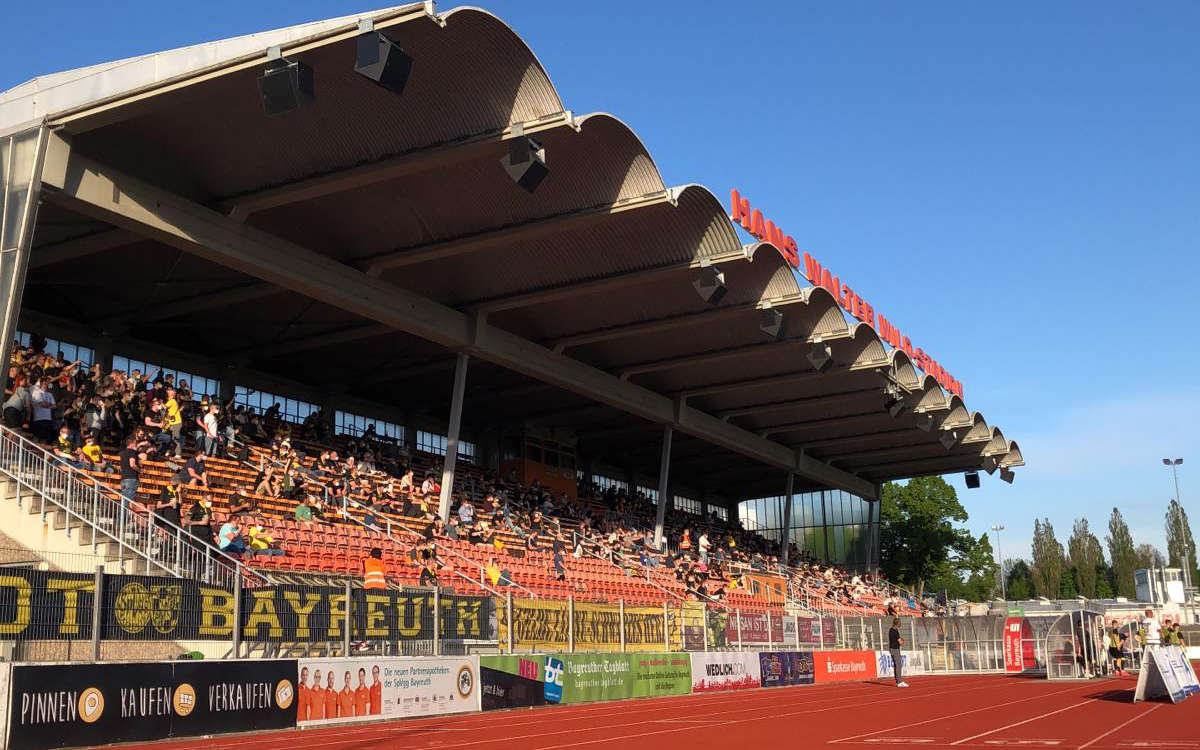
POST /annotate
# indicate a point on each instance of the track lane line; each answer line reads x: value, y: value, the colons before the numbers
x: 1019, y: 723
x: 952, y: 716
x: 1119, y: 727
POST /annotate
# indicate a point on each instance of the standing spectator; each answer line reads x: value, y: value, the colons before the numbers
x: 173, y: 421
x: 1152, y: 629
x: 211, y: 424
x: 42, y: 401
x: 702, y: 544
x: 894, y: 644
x: 374, y: 570
x: 18, y: 409
x: 166, y: 510
x: 130, y: 468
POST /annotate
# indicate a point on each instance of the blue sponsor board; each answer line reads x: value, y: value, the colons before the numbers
x: 554, y: 679
x: 786, y: 668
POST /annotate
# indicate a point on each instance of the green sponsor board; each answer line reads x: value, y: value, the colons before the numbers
x: 600, y: 677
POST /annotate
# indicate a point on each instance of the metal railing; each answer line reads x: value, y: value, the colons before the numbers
x: 133, y: 533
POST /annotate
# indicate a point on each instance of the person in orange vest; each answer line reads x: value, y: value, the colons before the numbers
x: 374, y: 578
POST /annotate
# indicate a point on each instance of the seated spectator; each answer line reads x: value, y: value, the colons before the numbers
x: 92, y: 457
x: 304, y: 511
x: 262, y: 543
x: 197, y: 470
x: 229, y: 538
x: 466, y: 512
x: 200, y: 521
x: 65, y: 448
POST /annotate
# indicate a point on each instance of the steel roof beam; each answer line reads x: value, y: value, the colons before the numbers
x: 611, y: 333
x: 440, y: 156
x: 830, y: 400
x: 719, y: 355
x: 79, y: 247
x: 509, y: 235
x: 307, y: 343
x: 598, y: 284
x: 94, y: 189
x: 771, y: 380
x: 198, y: 303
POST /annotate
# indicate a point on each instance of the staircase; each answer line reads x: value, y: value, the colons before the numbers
x: 41, y: 494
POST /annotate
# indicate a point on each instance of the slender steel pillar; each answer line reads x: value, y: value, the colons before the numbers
x: 786, y: 533
x: 456, y: 404
x: 664, y: 494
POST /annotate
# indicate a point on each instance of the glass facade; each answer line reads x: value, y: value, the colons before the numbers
x: 431, y: 442
x: 830, y: 525
x: 200, y: 385
x: 290, y: 409
x: 688, y: 505
x: 346, y: 423
x: 70, y: 352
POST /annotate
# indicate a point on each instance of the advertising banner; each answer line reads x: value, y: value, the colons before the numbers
x: 1013, y: 654
x: 780, y: 668
x: 844, y: 666
x: 541, y: 625
x: 790, y: 631
x: 511, y: 681
x: 335, y: 691
x: 66, y: 705
x: 829, y: 631
x: 725, y: 670
x: 912, y: 662
x: 58, y: 606
x: 755, y: 628
x: 1166, y: 672
x: 595, y: 677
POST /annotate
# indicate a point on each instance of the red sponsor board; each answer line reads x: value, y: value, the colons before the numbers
x: 1014, y: 657
x: 843, y: 666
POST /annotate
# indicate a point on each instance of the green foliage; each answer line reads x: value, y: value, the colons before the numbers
x: 1147, y: 555
x: 1020, y: 581
x: 1122, y: 554
x: 1066, y: 585
x: 1049, y: 563
x: 1085, y: 556
x: 919, y: 542
x: 1181, y: 550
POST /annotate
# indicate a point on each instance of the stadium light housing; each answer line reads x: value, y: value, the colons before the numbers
x: 894, y: 405
x: 285, y: 85
x: 820, y: 356
x: 710, y: 285
x: 948, y: 439
x: 525, y: 162
x: 989, y: 464
x: 1007, y: 475
x: 925, y: 423
x: 771, y: 322
x: 972, y: 479
x: 380, y: 60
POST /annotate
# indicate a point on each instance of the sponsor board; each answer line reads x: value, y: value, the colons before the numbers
x: 335, y: 691
x: 511, y: 681
x: 755, y: 628
x: 599, y: 677
x: 725, y: 670
x: 780, y: 668
x: 541, y: 625
x: 58, y: 606
x: 66, y: 705
x: 1014, y: 656
x: 1167, y: 672
x: 912, y: 662
x: 844, y: 666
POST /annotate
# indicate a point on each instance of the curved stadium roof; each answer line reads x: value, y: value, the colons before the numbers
x: 355, y: 244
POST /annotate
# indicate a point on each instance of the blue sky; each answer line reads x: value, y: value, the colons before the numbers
x: 1015, y: 185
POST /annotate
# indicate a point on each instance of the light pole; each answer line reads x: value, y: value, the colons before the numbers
x: 1174, y: 463
x: 998, y: 528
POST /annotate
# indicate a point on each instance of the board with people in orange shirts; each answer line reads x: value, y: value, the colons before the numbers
x: 360, y: 689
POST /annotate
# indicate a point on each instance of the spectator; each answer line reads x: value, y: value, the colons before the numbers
x: 65, y: 448
x: 166, y: 509
x: 130, y: 468
x: 197, y: 471
x: 210, y: 423
x: 374, y: 571
x: 703, y: 545
x: 200, y: 521
x: 229, y: 538
x: 173, y: 421
x: 91, y: 455
x: 466, y: 513
x: 262, y: 543
x: 304, y: 511
x: 42, y: 402
x: 18, y: 408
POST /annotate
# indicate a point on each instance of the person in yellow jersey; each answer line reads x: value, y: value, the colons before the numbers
x: 173, y: 420
x: 1116, y: 647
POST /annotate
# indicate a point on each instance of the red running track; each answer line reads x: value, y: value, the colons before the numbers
x: 975, y: 711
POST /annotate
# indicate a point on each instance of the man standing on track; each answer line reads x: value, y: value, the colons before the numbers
x: 1153, y: 631
x: 894, y: 644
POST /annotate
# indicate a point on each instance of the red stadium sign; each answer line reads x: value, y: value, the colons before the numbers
x: 844, y: 666
x: 752, y: 221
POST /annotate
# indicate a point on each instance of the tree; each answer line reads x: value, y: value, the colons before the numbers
x: 1147, y: 555
x: 1019, y: 581
x: 1122, y: 555
x: 1181, y: 551
x: 1085, y: 555
x: 918, y: 540
x: 1048, y: 560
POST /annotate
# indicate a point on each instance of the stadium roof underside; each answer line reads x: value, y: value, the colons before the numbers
x: 359, y: 242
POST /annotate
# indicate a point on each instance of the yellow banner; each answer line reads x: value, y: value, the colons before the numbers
x: 541, y: 625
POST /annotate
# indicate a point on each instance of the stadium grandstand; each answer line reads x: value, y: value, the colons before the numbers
x: 274, y: 302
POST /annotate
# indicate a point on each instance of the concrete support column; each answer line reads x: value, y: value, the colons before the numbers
x: 787, y: 520
x: 456, y: 404
x: 23, y: 155
x: 664, y: 493
x: 104, y: 352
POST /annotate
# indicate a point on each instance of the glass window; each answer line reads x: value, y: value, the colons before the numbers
x: 720, y: 511
x: 69, y: 352
x: 604, y: 483
x: 200, y: 385
x: 688, y: 505
x: 649, y: 493
x: 431, y: 442
x: 346, y: 423
x: 510, y: 449
x: 466, y: 451
x: 290, y: 409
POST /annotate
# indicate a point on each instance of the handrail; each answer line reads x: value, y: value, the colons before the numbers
x: 157, y: 541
